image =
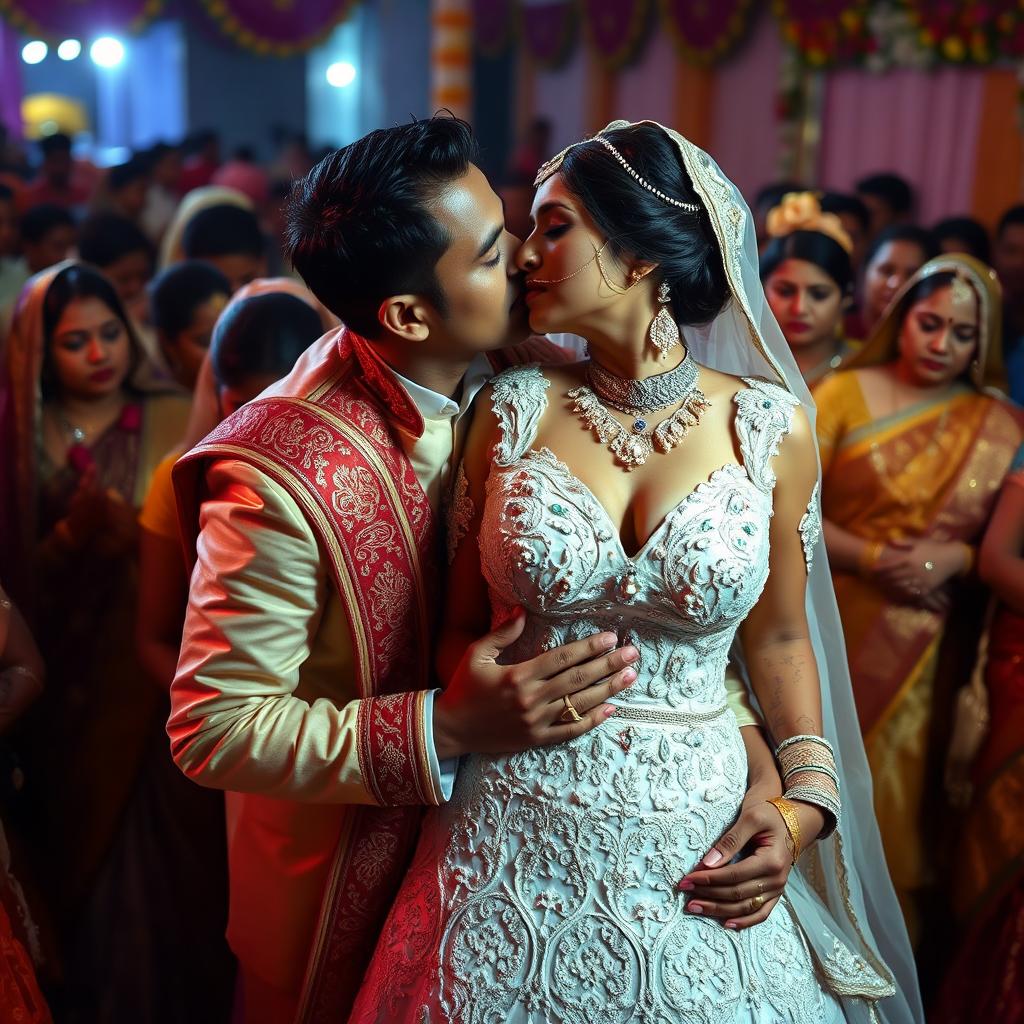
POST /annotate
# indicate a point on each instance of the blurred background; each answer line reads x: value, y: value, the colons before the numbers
x: 821, y: 92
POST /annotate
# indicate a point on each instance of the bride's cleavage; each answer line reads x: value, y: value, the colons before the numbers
x: 629, y: 545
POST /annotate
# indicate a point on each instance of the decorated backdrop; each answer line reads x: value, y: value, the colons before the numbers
x: 878, y: 34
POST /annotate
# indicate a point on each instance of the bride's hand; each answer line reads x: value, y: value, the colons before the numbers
x: 746, y: 892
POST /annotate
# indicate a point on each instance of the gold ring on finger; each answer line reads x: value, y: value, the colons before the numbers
x: 756, y: 903
x: 570, y: 714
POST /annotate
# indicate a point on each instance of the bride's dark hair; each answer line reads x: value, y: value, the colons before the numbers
x: 639, y: 224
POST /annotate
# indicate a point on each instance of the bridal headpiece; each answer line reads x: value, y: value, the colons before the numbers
x: 555, y: 162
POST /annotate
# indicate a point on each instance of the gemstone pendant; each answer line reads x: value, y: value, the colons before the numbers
x: 639, y: 426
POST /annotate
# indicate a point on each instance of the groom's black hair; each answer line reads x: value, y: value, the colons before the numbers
x: 360, y: 226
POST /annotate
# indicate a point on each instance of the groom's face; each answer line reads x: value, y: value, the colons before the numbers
x: 481, y: 284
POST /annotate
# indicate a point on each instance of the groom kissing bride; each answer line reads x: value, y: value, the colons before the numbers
x: 334, y: 686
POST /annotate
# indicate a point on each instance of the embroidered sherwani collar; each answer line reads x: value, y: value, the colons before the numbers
x: 382, y: 382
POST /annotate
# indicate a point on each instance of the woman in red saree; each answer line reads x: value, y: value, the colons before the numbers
x: 984, y: 982
x: 81, y: 437
x: 914, y: 449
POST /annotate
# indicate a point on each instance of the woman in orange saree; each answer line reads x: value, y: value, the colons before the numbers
x: 915, y: 445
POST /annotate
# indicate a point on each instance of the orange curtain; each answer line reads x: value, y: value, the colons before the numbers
x: 998, y: 166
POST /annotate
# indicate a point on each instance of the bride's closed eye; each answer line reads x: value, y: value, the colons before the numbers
x: 557, y: 231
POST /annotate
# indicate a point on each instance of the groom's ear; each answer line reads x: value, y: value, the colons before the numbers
x: 406, y: 316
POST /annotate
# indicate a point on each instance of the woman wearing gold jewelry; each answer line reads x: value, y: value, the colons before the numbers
x: 914, y: 449
x: 669, y: 496
x: 808, y: 280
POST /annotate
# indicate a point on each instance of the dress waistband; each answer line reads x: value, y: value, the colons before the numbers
x: 665, y: 716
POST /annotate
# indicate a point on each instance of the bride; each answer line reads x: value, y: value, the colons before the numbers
x: 666, y: 489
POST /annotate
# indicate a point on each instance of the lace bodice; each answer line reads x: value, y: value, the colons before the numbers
x: 548, y: 545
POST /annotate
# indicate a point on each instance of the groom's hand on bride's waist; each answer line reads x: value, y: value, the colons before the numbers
x: 489, y: 708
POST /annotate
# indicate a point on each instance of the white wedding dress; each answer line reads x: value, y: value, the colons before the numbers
x: 545, y: 890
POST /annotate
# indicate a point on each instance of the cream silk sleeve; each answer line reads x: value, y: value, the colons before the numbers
x: 738, y: 700
x: 264, y: 699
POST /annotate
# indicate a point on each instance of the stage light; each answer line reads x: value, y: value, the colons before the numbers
x: 34, y: 52
x: 69, y: 49
x: 107, y: 52
x: 341, y: 73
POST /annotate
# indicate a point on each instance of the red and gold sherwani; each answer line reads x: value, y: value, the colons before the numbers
x: 304, y: 684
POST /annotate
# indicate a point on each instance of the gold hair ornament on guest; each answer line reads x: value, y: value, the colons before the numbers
x: 801, y: 211
x: 555, y: 162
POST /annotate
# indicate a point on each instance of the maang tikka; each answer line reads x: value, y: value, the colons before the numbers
x: 664, y: 332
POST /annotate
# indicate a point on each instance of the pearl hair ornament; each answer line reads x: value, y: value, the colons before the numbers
x: 552, y: 165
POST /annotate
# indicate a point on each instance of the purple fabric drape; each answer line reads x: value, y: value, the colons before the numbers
x: 615, y: 27
x: 492, y: 24
x: 10, y: 81
x: 549, y: 29
x: 289, y: 23
x: 894, y: 114
x: 64, y: 18
x: 703, y: 29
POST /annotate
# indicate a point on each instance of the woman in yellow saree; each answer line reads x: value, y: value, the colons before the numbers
x: 915, y: 444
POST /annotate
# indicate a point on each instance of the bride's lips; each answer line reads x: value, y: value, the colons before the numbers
x: 533, y: 290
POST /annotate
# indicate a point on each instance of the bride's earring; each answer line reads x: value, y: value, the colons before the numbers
x: 664, y: 332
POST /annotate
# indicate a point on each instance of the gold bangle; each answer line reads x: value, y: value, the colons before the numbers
x: 869, y: 556
x: 788, y: 811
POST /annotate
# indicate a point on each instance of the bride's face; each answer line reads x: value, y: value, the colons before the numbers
x: 565, y: 290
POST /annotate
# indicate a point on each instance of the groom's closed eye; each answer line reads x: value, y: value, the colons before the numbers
x: 490, y: 242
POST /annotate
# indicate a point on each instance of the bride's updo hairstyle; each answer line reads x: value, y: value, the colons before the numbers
x: 641, y: 225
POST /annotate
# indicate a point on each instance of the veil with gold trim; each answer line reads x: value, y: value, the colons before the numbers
x: 840, y: 893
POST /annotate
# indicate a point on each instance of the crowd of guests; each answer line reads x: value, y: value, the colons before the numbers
x: 141, y: 304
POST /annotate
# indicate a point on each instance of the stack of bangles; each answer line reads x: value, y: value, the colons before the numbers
x: 808, y: 768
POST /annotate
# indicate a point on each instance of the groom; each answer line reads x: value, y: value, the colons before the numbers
x: 312, y: 516
x: 304, y: 686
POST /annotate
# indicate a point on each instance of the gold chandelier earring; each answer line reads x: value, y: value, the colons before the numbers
x: 664, y: 332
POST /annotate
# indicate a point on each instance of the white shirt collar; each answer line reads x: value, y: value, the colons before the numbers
x: 436, y: 406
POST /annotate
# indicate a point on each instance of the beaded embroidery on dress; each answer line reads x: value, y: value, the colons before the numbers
x: 545, y: 890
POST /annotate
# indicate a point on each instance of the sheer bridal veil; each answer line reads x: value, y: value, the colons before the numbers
x: 840, y: 892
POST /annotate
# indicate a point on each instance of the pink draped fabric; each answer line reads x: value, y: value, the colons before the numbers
x: 744, y: 129
x: 647, y: 89
x: 921, y: 124
x: 561, y: 96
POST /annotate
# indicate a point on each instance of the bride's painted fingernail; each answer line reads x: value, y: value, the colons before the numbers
x: 712, y: 858
x: 686, y: 885
x: 694, y: 908
x: 609, y: 711
x: 630, y: 654
x: 629, y: 676
x: 732, y: 924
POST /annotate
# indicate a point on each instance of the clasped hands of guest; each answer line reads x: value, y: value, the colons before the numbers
x: 98, y: 517
x: 916, y: 572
